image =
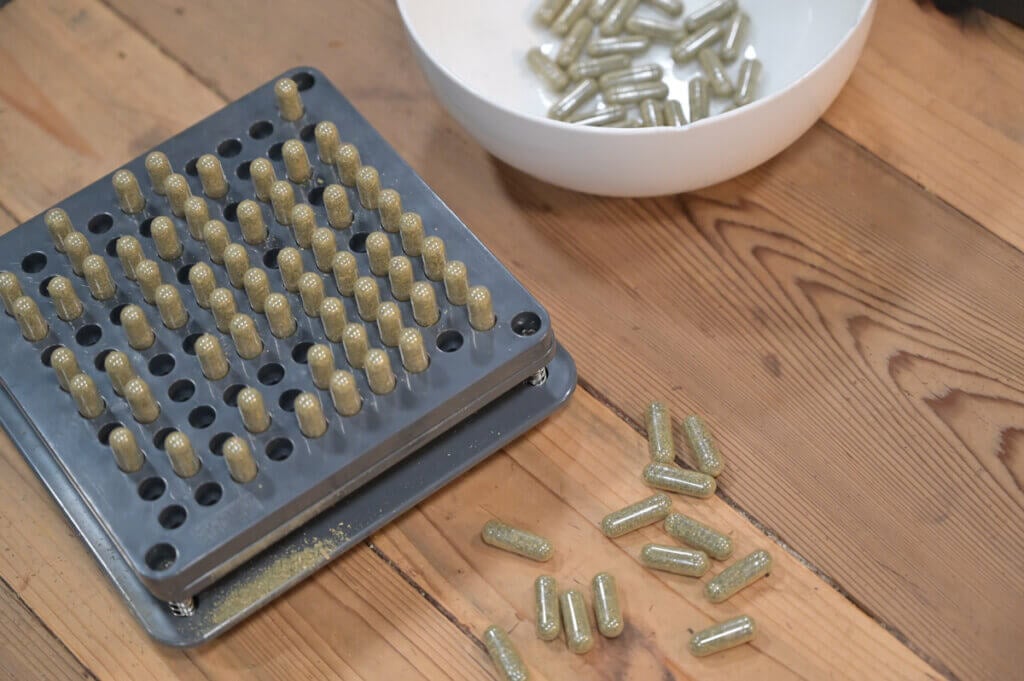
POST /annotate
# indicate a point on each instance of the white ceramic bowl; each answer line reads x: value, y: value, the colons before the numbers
x: 472, y: 52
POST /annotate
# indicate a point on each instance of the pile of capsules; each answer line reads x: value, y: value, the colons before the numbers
x: 567, y: 611
x: 714, y: 35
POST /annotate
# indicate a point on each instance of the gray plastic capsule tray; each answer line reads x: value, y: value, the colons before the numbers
x: 179, y: 536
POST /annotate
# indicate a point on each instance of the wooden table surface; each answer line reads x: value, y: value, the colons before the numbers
x: 849, y: 316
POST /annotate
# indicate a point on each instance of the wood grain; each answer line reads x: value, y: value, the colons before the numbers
x: 940, y: 100
x: 830, y: 317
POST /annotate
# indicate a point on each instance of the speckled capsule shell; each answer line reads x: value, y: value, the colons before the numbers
x: 698, y: 536
x: 345, y: 393
x: 368, y: 187
x: 500, y: 535
x: 456, y: 282
x: 119, y: 370
x: 10, y: 290
x: 59, y: 225
x: 672, y: 478
x: 738, y: 576
x: 252, y: 410
x: 724, y: 635
x: 158, y: 167
x: 347, y: 162
x: 411, y: 228
x: 356, y: 344
x: 615, y: 20
x: 126, y: 450
x: 713, y: 11
x: 311, y: 292
x: 289, y: 101
x: 88, y: 399
x: 310, y: 415
x: 279, y: 315
x: 238, y: 458
x: 576, y: 97
x: 703, y: 446
x: 282, y: 199
x: 203, y: 282
x: 64, y: 365
x: 424, y: 304
x: 504, y: 655
x: 136, y: 327
x: 303, y: 221
x: 660, y: 444
x: 400, y: 277
x: 30, y: 320
x: 480, y: 308
x: 378, y: 252
x: 324, y: 247
x: 216, y: 237
x: 236, y: 262
x: 640, y: 514
x: 140, y: 398
x: 222, y: 305
x: 129, y: 252
x: 211, y: 357
x: 389, y: 323
x: 579, y: 638
x: 296, y: 161
x: 412, y: 350
x: 263, y: 176
x: 339, y: 211
x: 346, y: 272
x: 172, y: 311
x: 320, y: 360
x: 546, y: 610
x: 434, y: 258
x: 177, y: 190
x: 183, y: 457
x: 251, y: 222
x: 77, y: 248
x: 65, y: 300
x: 289, y: 264
x: 379, y: 375
x: 129, y: 194
x: 688, y: 49
x: 197, y: 214
x: 389, y: 205
x: 546, y: 69
x: 607, y: 610
x: 333, y: 318
x: 367, y: 295
x: 686, y: 562
x: 165, y: 238
x: 327, y: 140
x: 248, y: 343
x: 147, y: 273
x: 98, y: 278
x: 211, y: 176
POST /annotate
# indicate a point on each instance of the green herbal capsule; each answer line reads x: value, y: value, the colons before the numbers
x: 673, y: 8
x: 659, y: 433
x: 504, y: 655
x: 715, y: 72
x: 578, y: 636
x: 615, y: 20
x: 655, y: 29
x: 546, y: 68
x: 641, y: 514
x: 672, y: 478
x: 642, y: 73
x: 583, y: 92
x: 724, y: 635
x: 607, y: 610
x: 675, y: 560
x: 548, y: 11
x: 627, y: 44
x: 570, y: 14
x: 700, y: 100
x: 714, y: 11
x: 549, y: 619
x: 574, y: 42
x: 699, y: 536
x: 635, y: 93
x: 746, y: 86
x: 736, y: 30
x: 688, y: 49
x: 520, y: 542
x: 651, y: 113
x: 674, y: 116
x: 594, y: 67
x: 708, y: 459
x: 738, y: 576
x: 610, y: 114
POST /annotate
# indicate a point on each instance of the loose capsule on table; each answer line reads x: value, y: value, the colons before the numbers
x: 575, y: 622
x: 574, y: 42
x: 607, y: 610
x: 704, y: 449
x: 640, y: 514
x: 739, y: 575
x: 625, y: 45
x: 660, y: 443
x: 672, y: 559
x: 599, y: 8
x: 633, y: 93
x: 504, y: 655
x: 549, y: 619
x: 527, y: 544
x: 713, y: 11
x: 672, y: 478
x: 699, y: 536
x: 655, y: 29
x: 724, y: 635
x: 547, y: 70
x: 688, y: 49
x: 735, y: 36
x: 570, y: 14
x: 615, y: 20
x: 714, y: 71
x: 595, y: 66
x: 746, y: 82
x: 582, y: 93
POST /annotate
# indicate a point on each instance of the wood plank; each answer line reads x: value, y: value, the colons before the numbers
x: 822, y: 310
x: 576, y: 467
x: 940, y: 100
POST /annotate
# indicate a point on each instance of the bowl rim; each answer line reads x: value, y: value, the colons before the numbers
x: 864, y: 13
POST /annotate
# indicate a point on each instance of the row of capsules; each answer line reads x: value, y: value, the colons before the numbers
x: 607, y: 70
x: 566, y: 612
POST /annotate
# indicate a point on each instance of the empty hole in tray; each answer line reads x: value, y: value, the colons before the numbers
x: 208, y: 494
x: 270, y: 374
x: 243, y: 170
x: 115, y: 314
x: 217, y: 442
x: 33, y: 262
x: 111, y: 247
x: 231, y: 394
x: 161, y: 437
x: 307, y: 133
x: 304, y: 80
x: 100, y: 223
x: 525, y: 324
x: 229, y: 148
x: 287, y: 399
x: 182, y: 274
x: 274, y: 152
x: 270, y: 258
x: 301, y: 351
x: 89, y: 334
x: 181, y: 390
x: 261, y: 129
x: 44, y: 286
x: 280, y: 449
x: 146, y: 228
x: 101, y: 359
x: 202, y: 417
x: 152, y: 489
x: 161, y: 556
x: 231, y: 212
x: 190, y: 167
x: 358, y: 242
x: 316, y: 196
x: 172, y: 517
x: 449, y: 341
x: 161, y: 364
x: 46, y: 354
x: 189, y: 344
x: 104, y: 432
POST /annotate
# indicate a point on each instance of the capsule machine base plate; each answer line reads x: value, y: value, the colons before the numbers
x: 340, y: 528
